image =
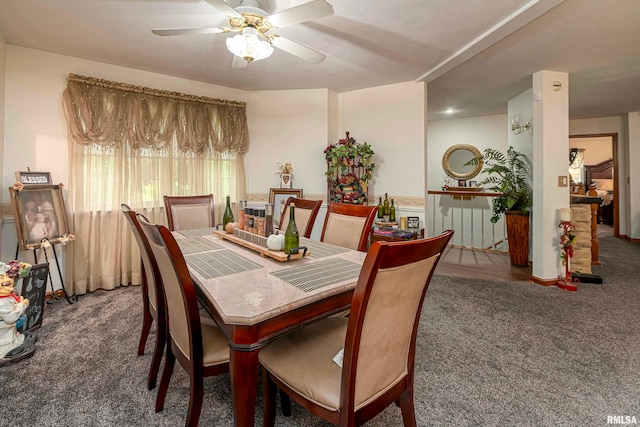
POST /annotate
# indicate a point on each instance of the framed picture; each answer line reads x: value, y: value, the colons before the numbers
x: 277, y: 197
x: 473, y: 183
x: 462, y: 183
x: 413, y: 222
x: 39, y: 214
x: 33, y: 178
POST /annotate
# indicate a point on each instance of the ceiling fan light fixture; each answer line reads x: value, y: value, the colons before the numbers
x: 248, y: 45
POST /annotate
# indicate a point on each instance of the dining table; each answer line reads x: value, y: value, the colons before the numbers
x: 254, y: 298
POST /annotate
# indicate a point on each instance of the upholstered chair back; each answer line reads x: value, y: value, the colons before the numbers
x: 348, y: 226
x: 189, y: 212
x: 306, y: 213
x: 179, y: 308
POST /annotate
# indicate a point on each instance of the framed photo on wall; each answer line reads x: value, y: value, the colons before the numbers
x: 277, y: 197
x: 39, y: 214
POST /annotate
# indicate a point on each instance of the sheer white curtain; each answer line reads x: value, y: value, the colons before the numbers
x: 133, y: 145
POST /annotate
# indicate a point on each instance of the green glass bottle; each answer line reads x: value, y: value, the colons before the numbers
x: 380, y: 208
x: 386, y: 204
x: 228, y: 215
x: 291, y: 236
x: 392, y: 212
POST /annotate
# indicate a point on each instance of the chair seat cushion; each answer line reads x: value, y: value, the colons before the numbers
x: 303, y: 360
x: 215, y: 347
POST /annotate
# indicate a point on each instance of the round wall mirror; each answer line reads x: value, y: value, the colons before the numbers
x: 454, y: 159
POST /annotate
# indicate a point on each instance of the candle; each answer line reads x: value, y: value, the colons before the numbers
x: 565, y: 214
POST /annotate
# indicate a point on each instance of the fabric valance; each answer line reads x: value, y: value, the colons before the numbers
x: 109, y: 113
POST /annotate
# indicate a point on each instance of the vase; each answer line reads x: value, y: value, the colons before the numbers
x: 518, y: 235
x: 286, y: 180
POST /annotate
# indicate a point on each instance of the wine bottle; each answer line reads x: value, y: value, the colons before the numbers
x: 380, y: 208
x: 291, y: 236
x: 386, y: 205
x: 228, y: 215
x: 392, y: 212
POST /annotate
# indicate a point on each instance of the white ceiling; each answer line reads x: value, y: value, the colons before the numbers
x: 475, y: 54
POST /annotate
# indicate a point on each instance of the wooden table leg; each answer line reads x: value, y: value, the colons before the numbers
x: 243, y: 366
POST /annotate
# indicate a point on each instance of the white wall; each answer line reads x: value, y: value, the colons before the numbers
x: 633, y: 122
x: 288, y: 126
x: 392, y: 120
x: 481, y: 132
x: 520, y: 108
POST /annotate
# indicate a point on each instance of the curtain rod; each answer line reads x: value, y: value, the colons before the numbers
x: 150, y: 91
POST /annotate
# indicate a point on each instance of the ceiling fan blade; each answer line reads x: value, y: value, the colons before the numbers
x: 187, y: 31
x: 224, y: 8
x: 304, y: 12
x: 238, y: 62
x: 298, y: 49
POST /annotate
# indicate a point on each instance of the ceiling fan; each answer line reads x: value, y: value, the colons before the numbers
x: 256, y: 39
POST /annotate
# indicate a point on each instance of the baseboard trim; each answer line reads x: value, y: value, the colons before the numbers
x: 543, y: 282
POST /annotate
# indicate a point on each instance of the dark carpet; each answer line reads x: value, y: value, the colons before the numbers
x: 489, y: 353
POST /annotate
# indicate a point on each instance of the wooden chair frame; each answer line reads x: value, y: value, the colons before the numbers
x: 381, y: 255
x: 149, y: 314
x: 161, y: 236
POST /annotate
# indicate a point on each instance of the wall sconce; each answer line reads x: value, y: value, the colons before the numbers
x: 518, y: 128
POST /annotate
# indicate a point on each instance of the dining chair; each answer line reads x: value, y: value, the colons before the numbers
x: 378, y: 341
x: 189, y: 212
x: 306, y: 213
x: 152, y: 293
x: 348, y: 225
x: 201, y: 349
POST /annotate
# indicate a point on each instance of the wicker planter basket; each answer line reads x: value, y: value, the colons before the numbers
x: 518, y: 235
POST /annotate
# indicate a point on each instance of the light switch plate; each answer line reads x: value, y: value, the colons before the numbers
x: 563, y: 181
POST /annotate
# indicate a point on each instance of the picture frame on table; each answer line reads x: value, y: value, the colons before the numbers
x: 277, y: 197
x: 462, y: 183
x: 473, y: 183
x: 39, y: 214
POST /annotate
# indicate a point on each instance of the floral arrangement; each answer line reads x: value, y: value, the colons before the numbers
x: 567, y: 240
x: 14, y: 269
x: 285, y: 168
x: 349, y: 170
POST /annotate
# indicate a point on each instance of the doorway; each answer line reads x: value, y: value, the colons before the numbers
x: 600, y: 151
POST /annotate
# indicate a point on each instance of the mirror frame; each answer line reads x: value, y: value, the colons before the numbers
x: 453, y: 174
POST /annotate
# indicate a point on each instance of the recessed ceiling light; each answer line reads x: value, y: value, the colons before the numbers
x: 450, y: 110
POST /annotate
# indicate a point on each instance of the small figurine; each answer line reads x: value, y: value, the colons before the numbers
x: 14, y: 346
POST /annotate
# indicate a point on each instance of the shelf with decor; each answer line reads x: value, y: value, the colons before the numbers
x: 349, y: 170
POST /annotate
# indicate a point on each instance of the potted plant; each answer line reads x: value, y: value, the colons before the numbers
x: 349, y: 170
x: 509, y: 175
